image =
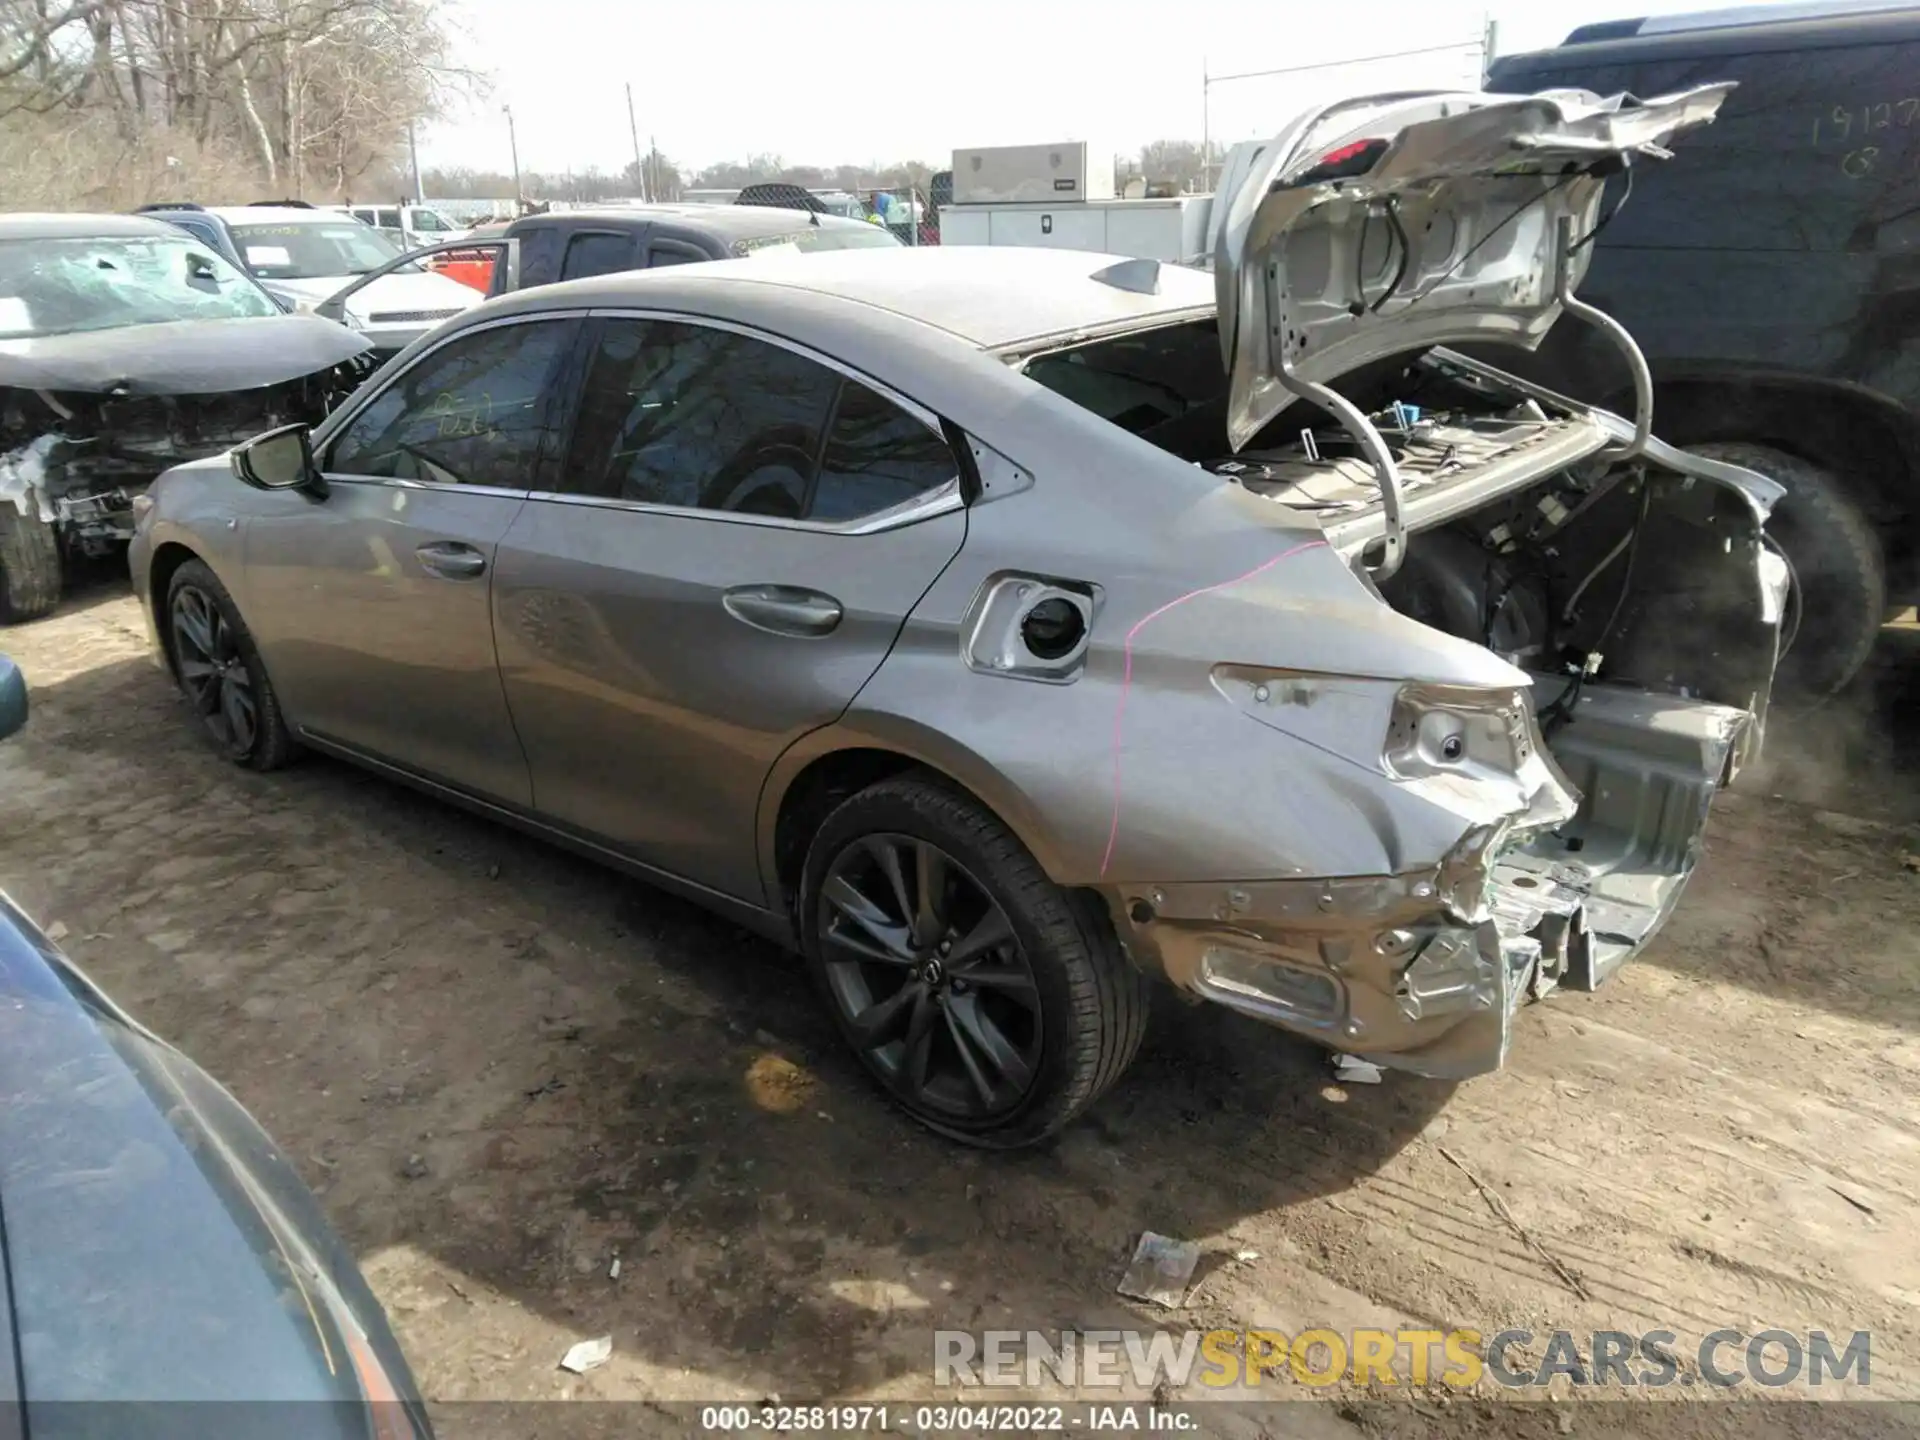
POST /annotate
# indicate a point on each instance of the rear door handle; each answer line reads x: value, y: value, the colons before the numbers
x: 783, y: 609
x: 452, y: 560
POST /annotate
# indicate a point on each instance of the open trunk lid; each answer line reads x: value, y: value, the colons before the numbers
x: 1390, y: 223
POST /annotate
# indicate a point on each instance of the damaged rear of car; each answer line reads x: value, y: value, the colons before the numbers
x: 1536, y: 825
x: 127, y: 347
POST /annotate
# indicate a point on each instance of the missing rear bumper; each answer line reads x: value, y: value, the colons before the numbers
x: 1424, y: 972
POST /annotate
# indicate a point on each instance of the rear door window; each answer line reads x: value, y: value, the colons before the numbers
x: 705, y: 419
x: 539, y: 254
x: 596, y: 252
x: 702, y: 418
x: 877, y: 456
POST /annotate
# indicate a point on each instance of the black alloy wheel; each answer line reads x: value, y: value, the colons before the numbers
x: 933, y: 986
x: 213, y: 672
x: 220, y: 671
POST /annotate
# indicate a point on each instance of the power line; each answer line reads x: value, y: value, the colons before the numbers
x: 1212, y: 80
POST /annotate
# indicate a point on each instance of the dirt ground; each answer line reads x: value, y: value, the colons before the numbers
x: 500, y: 1066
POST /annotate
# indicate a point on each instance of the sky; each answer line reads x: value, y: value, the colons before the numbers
x: 825, y: 82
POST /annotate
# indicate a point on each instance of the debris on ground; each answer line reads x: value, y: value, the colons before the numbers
x: 1160, y: 1270
x: 588, y: 1355
x: 613, y: 1270
x: 414, y: 1168
x: 1246, y: 1257
x: 1525, y: 1236
x: 56, y: 932
x: 1352, y: 1070
x: 1911, y: 861
x: 1854, y: 1200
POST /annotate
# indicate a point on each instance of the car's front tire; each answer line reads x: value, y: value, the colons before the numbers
x: 993, y: 1006
x: 30, y: 570
x: 220, y: 671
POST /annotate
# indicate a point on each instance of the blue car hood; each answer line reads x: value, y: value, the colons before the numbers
x: 158, y: 1250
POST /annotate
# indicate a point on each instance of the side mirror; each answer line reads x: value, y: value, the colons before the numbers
x: 279, y: 460
x: 13, y: 698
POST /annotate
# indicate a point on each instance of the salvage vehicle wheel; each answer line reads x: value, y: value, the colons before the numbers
x: 29, y: 566
x: 991, y: 1004
x: 1837, y: 565
x: 220, y: 671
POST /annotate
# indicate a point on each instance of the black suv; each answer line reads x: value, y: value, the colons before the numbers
x: 1769, y: 273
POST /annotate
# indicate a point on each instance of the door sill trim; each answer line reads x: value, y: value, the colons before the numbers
x: 748, y: 916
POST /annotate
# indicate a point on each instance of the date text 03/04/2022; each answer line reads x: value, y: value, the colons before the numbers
x: 943, y: 1419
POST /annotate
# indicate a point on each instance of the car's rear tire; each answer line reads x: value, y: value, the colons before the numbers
x: 1837, y: 564
x: 993, y: 1006
x: 30, y: 570
x: 220, y: 671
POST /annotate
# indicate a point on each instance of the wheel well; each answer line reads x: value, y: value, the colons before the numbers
x: 166, y: 560
x: 812, y: 796
x: 1848, y: 433
x: 831, y: 778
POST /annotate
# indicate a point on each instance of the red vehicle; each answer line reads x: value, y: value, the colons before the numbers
x: 473, y: 268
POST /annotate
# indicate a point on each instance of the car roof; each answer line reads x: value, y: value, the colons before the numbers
x: 992, y: 297
x: 1731, y: 17
x: 1799, y: 29
x: 727, y: 222
x: 272, y: 215
x: 82, y: 227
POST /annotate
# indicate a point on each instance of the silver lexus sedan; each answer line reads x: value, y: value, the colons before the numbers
x: 1002, y: 628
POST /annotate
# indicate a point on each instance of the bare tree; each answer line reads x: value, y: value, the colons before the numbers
x: 316, y: 94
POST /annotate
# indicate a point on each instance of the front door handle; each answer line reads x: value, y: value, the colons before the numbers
x: 783, y: 609
x: 451, y: 560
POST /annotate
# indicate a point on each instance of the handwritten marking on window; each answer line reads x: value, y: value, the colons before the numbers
x: 456, y: 419
x: 1859, y: 129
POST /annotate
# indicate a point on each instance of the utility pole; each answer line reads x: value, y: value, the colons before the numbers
x: 513, y: 145
x: 1489, y: 51
x: 413, y: 154
x: 633, y: 128
x: 1206, y: 127
x: 653, y: 155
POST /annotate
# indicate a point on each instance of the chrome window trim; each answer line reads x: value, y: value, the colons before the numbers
x: 941, y: 500
x: 397, y: 483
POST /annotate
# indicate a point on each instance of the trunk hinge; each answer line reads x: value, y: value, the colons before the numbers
x: 1614, y: 331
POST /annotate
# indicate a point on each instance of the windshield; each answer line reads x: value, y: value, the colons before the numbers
x: 430, y: 222
x: 822, y: 237
x: 845, y: 206
x: 312, y: 249
x: 66, y: 287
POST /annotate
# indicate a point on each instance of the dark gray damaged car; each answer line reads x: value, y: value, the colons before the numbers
x: 127, y: 346
x: 1002, y: 628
